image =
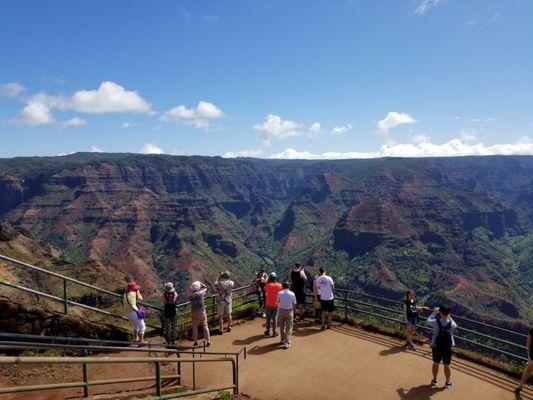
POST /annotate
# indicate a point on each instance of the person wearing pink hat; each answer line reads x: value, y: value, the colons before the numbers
x: 132, y: 294
x: 198, y: 312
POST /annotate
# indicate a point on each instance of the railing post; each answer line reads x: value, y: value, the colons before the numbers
x: 345, y: 306
x: 85, y: 367
x: 65, y: 296
x: 235, y: 378
x: 178, y: 369
x: 193, y: 375
x: 158, y: 378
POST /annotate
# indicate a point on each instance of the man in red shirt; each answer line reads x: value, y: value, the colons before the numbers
x: 272, y: 289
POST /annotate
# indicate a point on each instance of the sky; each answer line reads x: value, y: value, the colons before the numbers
x: 270, y: 79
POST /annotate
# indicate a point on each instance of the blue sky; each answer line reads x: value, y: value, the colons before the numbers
x: 286, y: 79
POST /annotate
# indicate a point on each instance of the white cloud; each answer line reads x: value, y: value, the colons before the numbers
x: 341, y: 129
x: 275, y: 126
x: 110, y: 97
x: 177, y: 152
x: 471, y: 23
x: 12, y: 90
x: 96, y: 149
x: 128, y: 124
x: 453, y: 148
x: 76, y: 121
x: 151, y: 148
x: 315, y: 129
x: 198, y: 116
x: 243, y: 153
x: 420, y: 138
x: 34, y: 114
x: 392, y: 120
x: 425, y: 5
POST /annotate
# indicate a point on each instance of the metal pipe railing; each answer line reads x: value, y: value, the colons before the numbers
x: 86, y: 383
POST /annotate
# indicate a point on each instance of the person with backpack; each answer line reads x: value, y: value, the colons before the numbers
x: 529, y: 366
x: 442, y: 342
x: 134, y: 313
x: 410, y: 316
x: 169, y: 298
x: 224, y: 286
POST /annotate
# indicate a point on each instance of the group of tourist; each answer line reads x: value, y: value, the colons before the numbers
x: 283, y: 303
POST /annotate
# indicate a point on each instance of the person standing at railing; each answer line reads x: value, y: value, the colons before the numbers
x: 286, y: 302
x: 272, y: 288
x: 410, y: 314
x: 198, y: 311
x: 298, y: 280
x: 224, y: 286
x: 132, y: 294
x: 326, y: 286
x: 316, y: 299
x: 529, y: 366
x: 442, y: 342
x: 258, y: 283
x: 169, y: 313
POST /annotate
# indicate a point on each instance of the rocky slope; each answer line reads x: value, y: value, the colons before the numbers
x: 454, y: 229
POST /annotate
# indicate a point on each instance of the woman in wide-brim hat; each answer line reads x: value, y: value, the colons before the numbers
x: 198, y: 312
x: 132, y: 294
x: 169, y: 298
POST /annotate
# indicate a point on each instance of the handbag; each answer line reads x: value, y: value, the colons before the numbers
x: 142, y: 313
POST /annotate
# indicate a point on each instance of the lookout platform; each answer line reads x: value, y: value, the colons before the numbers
x: 346, y: 362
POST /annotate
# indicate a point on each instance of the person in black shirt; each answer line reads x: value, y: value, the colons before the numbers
x: 529, y: 367
x: 410, y: 314
x: 299, y: 280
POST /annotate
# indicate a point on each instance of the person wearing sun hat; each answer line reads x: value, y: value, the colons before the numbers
x: 169, y: 298
x: 224, y: 286
x: 132, y: 294
x: 198, y: 312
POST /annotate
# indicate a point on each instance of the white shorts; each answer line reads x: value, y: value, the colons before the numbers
x: 223, y: 308
x: 138, y: 324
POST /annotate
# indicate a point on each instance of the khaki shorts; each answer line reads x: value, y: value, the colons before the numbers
x: 224, y: 308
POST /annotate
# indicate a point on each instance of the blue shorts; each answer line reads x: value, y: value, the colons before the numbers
x: 411, y: 321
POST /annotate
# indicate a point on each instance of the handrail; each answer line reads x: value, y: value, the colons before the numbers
x: 6, y: 344
x: 69, y: 279
x: 88, y: 340
x: 342, y: 290
x: 86, y: 383
x: 67, y: 302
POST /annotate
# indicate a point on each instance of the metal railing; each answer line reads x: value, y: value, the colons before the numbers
x: 86, y: 383
x: 488, y: 340
x: 240, y: 298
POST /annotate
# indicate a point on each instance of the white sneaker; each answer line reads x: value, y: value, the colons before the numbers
x: 286, y: 345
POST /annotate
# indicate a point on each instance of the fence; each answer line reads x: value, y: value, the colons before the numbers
x: 242, y: 297
x: 488, y: 340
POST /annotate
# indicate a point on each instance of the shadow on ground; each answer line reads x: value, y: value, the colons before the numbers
x: 422, y: 392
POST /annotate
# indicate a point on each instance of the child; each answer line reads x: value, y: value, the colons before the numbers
x: 410, y: 314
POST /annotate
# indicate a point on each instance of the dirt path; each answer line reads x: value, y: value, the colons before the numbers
x: 346, y: 363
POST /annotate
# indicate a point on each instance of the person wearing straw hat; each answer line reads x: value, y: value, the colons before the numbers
x: 169, y: 298
x: 224, y: 286
x: 198, y: 311
x: 132, y: 294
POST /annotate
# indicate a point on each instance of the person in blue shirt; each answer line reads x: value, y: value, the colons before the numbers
x: 442, y: 342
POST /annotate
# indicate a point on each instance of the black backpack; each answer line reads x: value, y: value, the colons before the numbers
x: 170, y: 308
x: 444, y: 336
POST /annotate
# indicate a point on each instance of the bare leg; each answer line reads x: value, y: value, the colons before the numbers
x: 141, y: 337
x: 435, y: 370
x: 135, y: 335
x: 447, y: 372
x: 525, y: 375
x: 221, y: 323
x: 229, y: 321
